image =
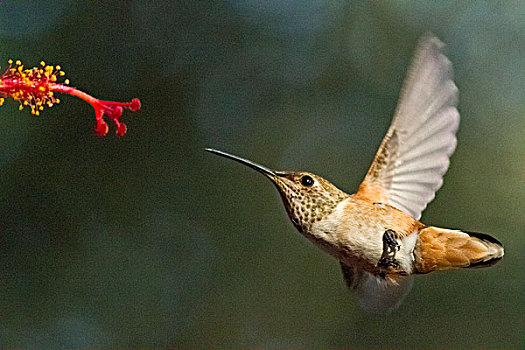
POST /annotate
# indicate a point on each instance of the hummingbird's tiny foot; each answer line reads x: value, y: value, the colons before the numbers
x: 388, y: 262
x: 390, y: 239
x: 390, y: 247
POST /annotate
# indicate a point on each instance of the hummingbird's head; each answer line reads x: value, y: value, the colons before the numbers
x: 308, y: 198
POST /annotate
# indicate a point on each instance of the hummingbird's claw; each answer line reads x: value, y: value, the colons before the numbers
x: 390, y: 239
x: 388, y: 262
x: 390, y: 247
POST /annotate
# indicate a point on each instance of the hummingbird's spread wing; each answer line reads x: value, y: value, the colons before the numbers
x: 374, y: 293
x: 414, y: 155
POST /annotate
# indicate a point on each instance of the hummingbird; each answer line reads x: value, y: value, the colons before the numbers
x: 375, y: 234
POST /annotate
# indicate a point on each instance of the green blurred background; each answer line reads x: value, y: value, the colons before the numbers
x: 148, y: 241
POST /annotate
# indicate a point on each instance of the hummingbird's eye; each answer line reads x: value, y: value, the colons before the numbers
x: 307, y: 181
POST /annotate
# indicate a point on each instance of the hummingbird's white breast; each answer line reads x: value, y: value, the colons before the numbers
x: 353, y: 233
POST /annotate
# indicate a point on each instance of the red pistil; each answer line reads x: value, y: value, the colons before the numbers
x: 112, y: 110
x: 35, y: 88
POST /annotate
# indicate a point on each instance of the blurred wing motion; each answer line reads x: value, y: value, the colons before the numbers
x: 375, y: 294
x: 414, y: 155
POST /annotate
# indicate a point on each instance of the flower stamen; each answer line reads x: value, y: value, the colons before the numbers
x: 35, y: 87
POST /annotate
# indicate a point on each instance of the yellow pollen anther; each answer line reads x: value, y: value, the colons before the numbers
x: 18, y: 62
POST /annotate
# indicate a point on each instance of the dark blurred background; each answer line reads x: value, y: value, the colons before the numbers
x: 148, y: 241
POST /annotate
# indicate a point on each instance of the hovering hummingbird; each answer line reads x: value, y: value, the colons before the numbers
x: 375, y: 234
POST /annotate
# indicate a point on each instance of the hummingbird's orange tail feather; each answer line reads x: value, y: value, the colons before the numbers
x: 444, y: 249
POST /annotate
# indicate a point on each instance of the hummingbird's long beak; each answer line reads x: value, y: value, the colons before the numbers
x: 262, y: 169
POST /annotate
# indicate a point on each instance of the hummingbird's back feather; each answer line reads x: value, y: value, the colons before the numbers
x: 444, y: 249
x: 414, y: 155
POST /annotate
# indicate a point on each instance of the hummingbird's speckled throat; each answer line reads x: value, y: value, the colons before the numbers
x: 308, y: 198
